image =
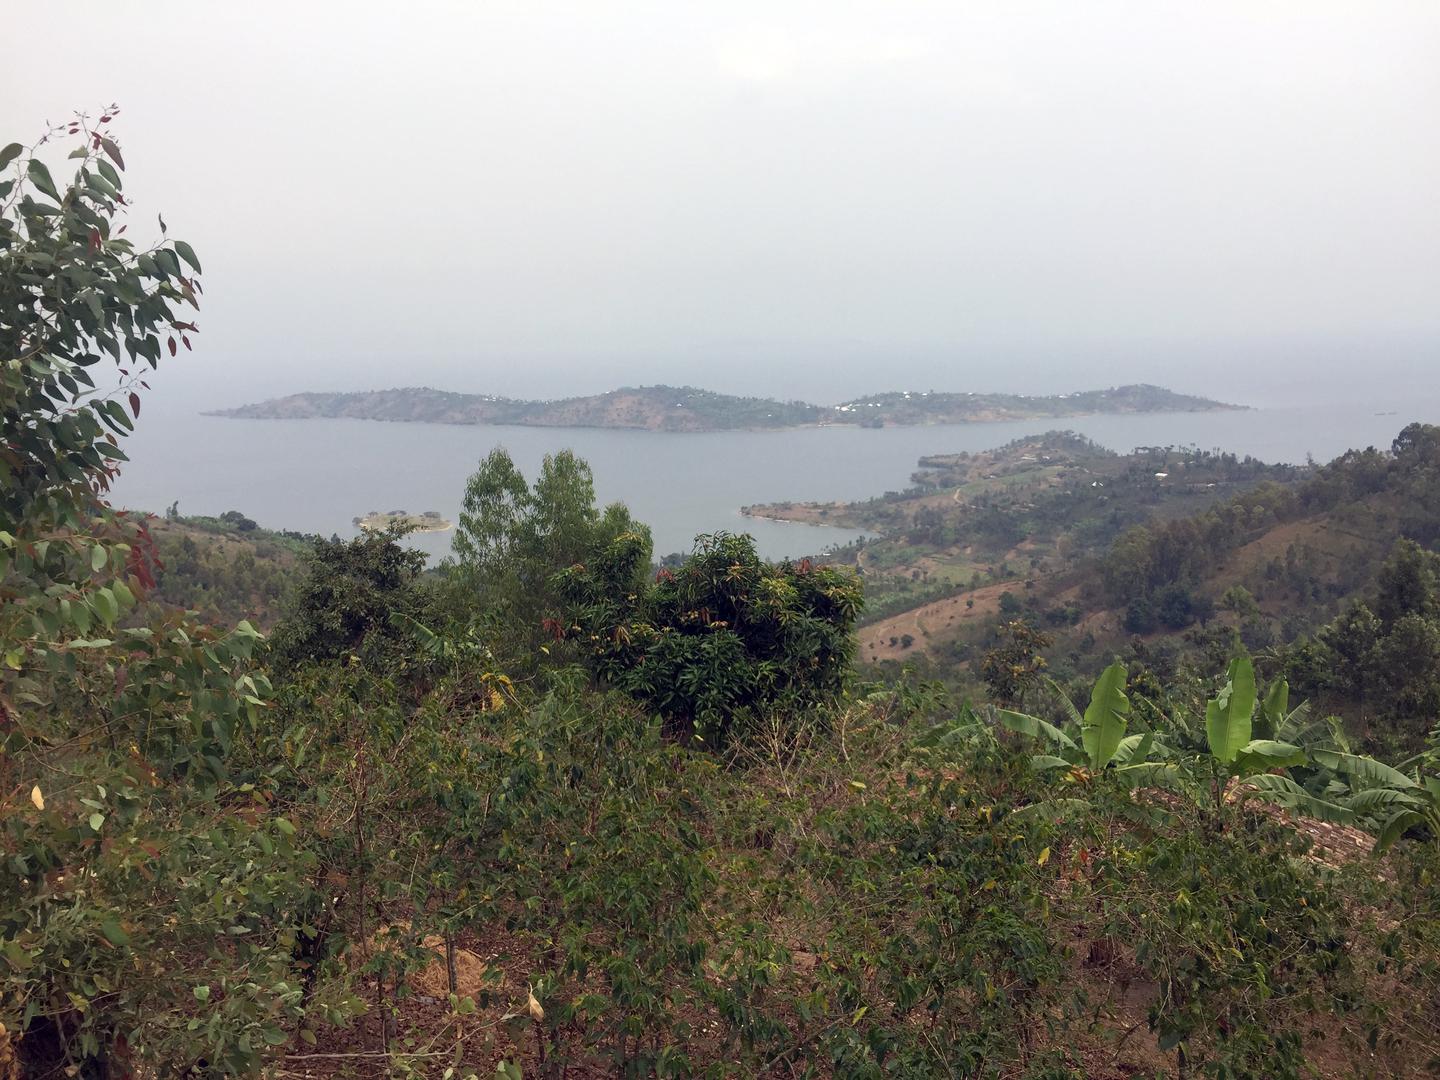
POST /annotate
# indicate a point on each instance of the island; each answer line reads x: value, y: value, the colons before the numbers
x: 686, y: 408
x: 429, y: 521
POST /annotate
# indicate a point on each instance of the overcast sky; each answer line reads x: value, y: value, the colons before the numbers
x: 810, y: 200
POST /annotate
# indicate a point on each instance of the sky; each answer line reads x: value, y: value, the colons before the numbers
x: 809, y: 200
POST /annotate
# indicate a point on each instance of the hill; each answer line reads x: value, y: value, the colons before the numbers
x: 1170, y: 557
x: 972, y: 527
x: 224, y: 568
x: 685, y: 408
x: 902, y: 409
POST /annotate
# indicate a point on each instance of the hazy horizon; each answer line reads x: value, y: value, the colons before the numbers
x: 802, y: 200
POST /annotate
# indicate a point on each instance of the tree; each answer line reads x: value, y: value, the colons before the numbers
x: 724, y: 636
x: 1353, y: 641
x: 238, y: 521
x: 1418, y: 444
x: 512, y: 539
x: 563, y: 518
x: 1238, y: 600
x: 1176, y: 607
x: 1406, y: 584
x: 1013, y: 666
x: 1140, y: 617
x: 353, y: 600
x: 489, y: 534
x: 1409, y: 665
x: 128, y: 877
x: 72, y: 292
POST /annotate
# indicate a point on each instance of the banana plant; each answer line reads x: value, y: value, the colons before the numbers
x: 1099, y: 740
x: 1230, y: 723
x: 1372, y: 794
x: 1276, y: 720
x: 964, y: 732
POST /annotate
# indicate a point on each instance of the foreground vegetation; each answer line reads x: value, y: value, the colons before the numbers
x: 548, y: 812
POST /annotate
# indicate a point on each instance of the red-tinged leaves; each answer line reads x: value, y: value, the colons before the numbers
x: 121, y: 229
x: 105, y: 119
x: 135, y: 404
x: 142, y: 560
x: 186, y: 340
x: 94, y: 240
x: 171, y: 342
x: 95, y: 141
x: 112, y: 151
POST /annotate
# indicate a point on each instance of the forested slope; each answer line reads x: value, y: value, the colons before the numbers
x: 1175, y: 561
x: 226, y: 569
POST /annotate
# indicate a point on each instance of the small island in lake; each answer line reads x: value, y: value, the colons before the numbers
x: 429, y: 521
x: 686, y: 408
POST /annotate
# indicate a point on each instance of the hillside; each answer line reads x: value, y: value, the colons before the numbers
x: 224, y: 568
x: 1174, y: 558
x: 972, y: 527
x: 669, y: 408
x: 911, y: 409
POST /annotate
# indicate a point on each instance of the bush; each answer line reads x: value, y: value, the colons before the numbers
x: 353, y: 599
x: 727, y: 633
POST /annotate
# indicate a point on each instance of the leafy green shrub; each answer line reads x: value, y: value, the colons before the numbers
x: 348, y: 600
x: 727, y: 633
x: 1243, y: 939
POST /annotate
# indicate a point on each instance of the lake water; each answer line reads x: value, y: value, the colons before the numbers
x: 317, y: 475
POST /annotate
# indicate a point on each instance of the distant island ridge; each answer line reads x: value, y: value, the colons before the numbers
x: 686, y: 408
x: 376, y: 521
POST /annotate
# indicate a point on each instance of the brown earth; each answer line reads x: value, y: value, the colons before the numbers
x: 930, y: 624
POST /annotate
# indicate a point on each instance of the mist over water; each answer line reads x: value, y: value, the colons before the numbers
x: 793, y: 200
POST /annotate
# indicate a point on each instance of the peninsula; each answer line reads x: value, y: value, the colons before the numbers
x: 685, y: 408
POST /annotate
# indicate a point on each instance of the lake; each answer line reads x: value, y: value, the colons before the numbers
x: 317, y: 475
